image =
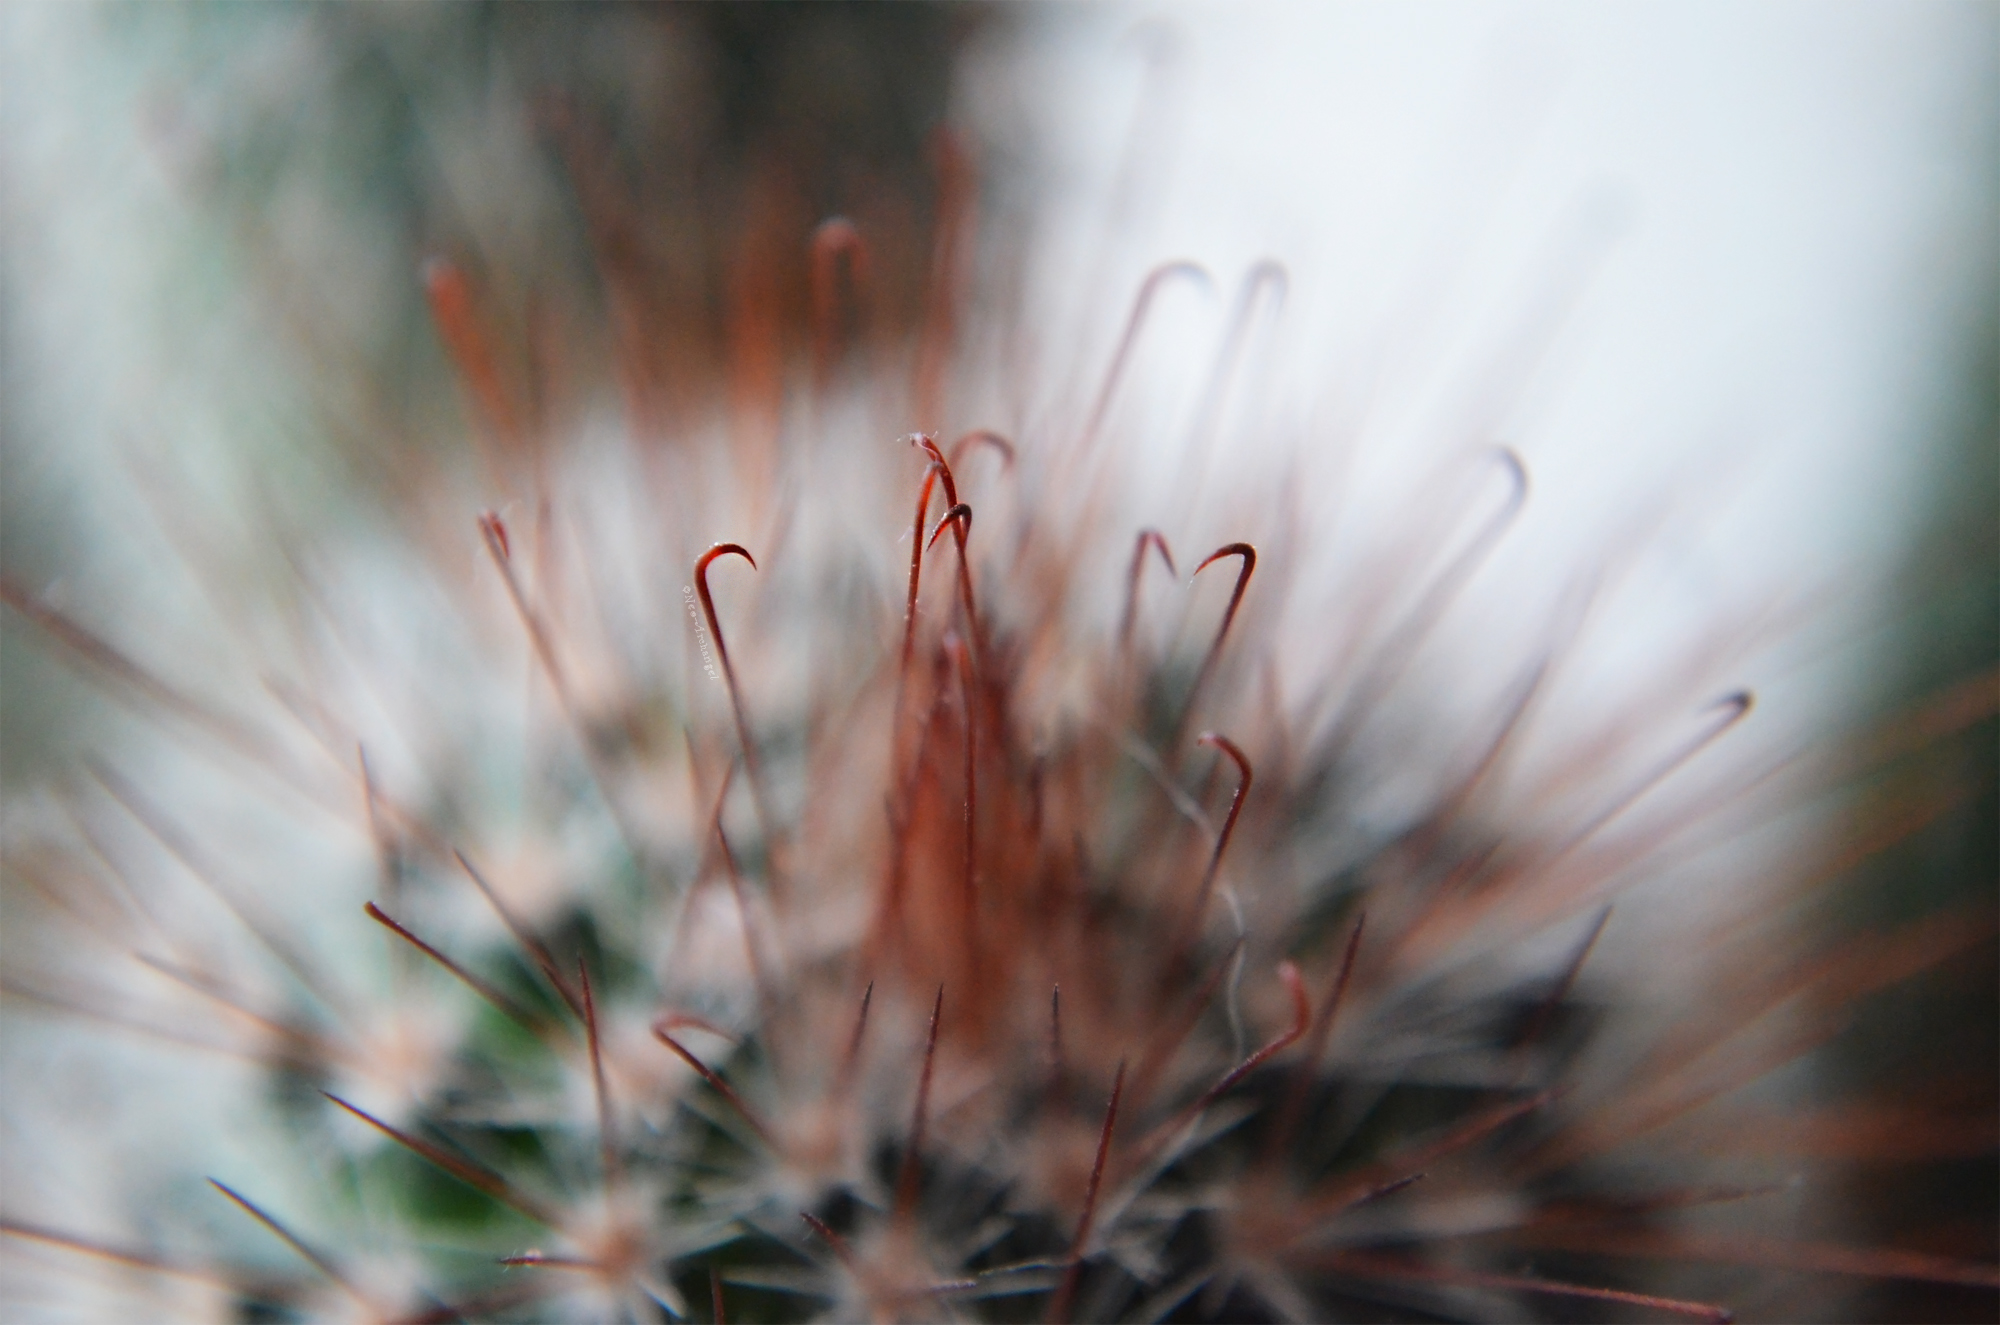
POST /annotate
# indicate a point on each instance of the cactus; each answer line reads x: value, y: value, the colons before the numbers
x: 819, y: 869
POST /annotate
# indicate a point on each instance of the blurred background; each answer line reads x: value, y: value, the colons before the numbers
x: 1727, y: 273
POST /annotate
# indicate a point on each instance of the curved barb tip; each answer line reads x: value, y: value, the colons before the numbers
x: 1729, y: 710
x: 932, y: 472
x: 749, y: 747
x: 1248, y: 554
x: 1142, y: 304
x: 962, y: 514
x: 835, y: 239
x: 983, y: 437
x: 715, y: 628
x: 961, y: 527
x: 1154, y: 539
x: 1266, y: 275
x: 928, y: 444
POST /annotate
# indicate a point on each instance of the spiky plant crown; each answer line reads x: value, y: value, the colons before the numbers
x: 821, y: 869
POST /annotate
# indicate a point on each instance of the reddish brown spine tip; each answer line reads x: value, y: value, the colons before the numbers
x: 835, y: 238
x: 606, y: 1140
x: 1154, y: 539
x: 983, y: 437
x: 1243, y: 550
x: 944, y: 474
x: 292, y: 1240
x: 1220, y: 742
x: 906, y: 1180
x: 1249, y: 558
x: 496, y: 536
x: 1142, y: 303
x: 1065, y: 1294
x: 749, y: 746
x: 715, y: 1081
x: 961, y: 513
x: 719, y: 550
x: 830, y: 1238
